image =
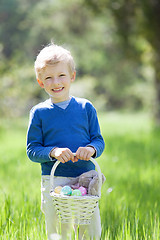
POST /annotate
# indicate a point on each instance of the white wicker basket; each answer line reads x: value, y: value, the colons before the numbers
x: 76, y: 209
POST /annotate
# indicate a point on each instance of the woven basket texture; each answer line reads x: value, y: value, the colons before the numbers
x: 75, y: 209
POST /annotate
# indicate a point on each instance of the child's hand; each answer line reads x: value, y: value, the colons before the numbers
x: 85, y: 153
x: 63, y: 154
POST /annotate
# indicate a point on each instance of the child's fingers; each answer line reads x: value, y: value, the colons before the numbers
x: 72, y: 158
x: 84, y: 153
x: 64, y: 155
x: 61, y: 160
x: 81, y: 153
x: 68, y: 155
x: 87, y: 156
x: 75, y: 159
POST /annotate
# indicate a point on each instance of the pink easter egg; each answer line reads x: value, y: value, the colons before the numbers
x: 83, y: 190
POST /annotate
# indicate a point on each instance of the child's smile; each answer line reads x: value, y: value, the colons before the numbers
x: 57, y: 90
x: 56, y: 80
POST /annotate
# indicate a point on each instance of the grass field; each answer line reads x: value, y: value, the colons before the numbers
x: 130, y: 196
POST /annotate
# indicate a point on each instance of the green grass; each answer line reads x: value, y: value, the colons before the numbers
x: 130, y: 196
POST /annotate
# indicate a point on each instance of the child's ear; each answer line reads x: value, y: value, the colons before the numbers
x: 73, y: 76
x: 40, y: 83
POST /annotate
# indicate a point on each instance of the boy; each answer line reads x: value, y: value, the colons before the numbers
x: 59, y: 127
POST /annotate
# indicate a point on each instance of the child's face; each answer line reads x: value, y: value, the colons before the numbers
x: 56, y: 80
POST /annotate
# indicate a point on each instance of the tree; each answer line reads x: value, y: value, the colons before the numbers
x: 134, y: 20
x: 103, y: 74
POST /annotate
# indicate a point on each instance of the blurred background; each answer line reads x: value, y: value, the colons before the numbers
x: 115, y: 44
x: 116, y: 47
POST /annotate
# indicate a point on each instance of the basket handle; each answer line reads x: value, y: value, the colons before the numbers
x: 92, y: 160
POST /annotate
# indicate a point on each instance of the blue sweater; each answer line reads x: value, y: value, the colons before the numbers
x: 51, y: 126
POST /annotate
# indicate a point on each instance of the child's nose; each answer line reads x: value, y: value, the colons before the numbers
x: 55, y: 80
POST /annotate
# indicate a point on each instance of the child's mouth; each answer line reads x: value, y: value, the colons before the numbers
x: 56, y: 90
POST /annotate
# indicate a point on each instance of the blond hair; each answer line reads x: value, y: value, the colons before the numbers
x: 53, y: 54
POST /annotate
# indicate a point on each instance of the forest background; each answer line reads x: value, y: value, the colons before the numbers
x: 115, y: 45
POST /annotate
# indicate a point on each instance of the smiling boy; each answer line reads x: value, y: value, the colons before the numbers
x: 56, y: 80
x: 58, y: 128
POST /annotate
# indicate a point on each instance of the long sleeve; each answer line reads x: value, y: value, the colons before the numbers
x: 95, y: 134
x: 36, y: 150
x: 51, y: 126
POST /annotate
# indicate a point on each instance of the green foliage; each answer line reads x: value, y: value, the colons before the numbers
x: 27, y: 26
x: 136, y: 20
x: 129, y: 204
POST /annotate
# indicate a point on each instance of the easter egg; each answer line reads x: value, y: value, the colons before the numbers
x: 83, y: 190
x: 58, y: 189
x: 76, y: 192
x: 66, y: 190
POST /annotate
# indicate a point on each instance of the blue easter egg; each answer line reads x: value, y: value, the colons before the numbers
x: 66, y: 190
